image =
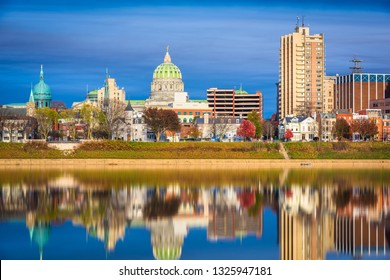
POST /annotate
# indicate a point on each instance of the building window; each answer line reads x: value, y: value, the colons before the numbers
x: 184, y: 120
x: 190, y: 113
x: 178, y: 113
x: 185, y: 113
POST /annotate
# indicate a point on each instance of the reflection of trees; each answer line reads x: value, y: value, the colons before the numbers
x: 367, y: 197
x: 158, y: 207
x: 254, y: 210
x: 342, y: 197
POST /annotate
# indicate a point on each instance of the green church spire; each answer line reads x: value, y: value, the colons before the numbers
x: 41, y: 74
x: 31, y: 96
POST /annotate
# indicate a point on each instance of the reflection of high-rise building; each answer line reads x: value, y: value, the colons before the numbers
x: 235, y: 214
x: 359, y: 236
x: 230, y: 223
x: 304, y: 230
x: 362, y: 222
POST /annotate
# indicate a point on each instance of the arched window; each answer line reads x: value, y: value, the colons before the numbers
x: 190, y: 120
x: 184, y: 120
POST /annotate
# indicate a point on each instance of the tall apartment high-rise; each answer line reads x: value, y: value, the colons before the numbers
x: 301, y: 72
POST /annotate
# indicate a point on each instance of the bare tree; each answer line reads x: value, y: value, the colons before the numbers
x: 268, y: 129
x: 115, y: 113
x: 306, y: 109
x: 221, y: 125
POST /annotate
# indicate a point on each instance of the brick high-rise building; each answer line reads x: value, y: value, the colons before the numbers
x: 301, y: 72
x: 234, y: 103
x: 355, y: 91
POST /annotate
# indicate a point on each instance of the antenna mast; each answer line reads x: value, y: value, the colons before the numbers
x: 356, y: 68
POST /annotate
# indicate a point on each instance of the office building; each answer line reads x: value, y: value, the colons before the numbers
x: 301, y: 73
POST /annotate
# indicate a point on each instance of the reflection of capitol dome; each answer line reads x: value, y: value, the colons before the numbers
x: 167, y: 80
x: 167, y: 253
x: 166, y: 244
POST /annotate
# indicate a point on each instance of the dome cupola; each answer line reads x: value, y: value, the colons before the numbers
x: 42, y: 92
x: 167, y: 80
x: 167, y: 69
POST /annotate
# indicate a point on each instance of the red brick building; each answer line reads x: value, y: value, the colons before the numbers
x: 354, y: 92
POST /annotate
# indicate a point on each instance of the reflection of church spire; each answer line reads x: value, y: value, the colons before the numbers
x: 40, y: 233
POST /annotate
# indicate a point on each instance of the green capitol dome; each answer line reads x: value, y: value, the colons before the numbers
x: 167, y: 69
x: 167, y: 80
x: 42, y: 92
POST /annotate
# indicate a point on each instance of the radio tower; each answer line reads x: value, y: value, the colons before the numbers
x: 356, y: 68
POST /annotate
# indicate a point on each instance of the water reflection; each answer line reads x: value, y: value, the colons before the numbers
x: 317, y: 214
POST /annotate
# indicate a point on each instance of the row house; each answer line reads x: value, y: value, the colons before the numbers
x: 220, y: 129
x: 326, y: 122
x: 303, y: 128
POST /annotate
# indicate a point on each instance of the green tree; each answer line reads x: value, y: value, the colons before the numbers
x: 46, y: 119
x: 160, y: 121
x: 342, y: 129
x: 90, y: 116
x: 254, y: 118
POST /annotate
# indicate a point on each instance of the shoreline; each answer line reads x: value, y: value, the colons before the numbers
x: 192, y: 163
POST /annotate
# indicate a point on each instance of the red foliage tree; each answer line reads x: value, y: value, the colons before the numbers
x: 288, y: 134
x: 246, y: 129
x: 247, y: 199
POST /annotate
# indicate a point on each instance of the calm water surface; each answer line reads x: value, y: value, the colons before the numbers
x: 195, y: 214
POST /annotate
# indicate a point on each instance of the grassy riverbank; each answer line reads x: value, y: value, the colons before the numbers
x: 198, y: 150
x: 144, y: 150
x: 338, y: 150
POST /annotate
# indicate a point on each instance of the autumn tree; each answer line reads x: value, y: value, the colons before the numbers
x: 161, y: 120
x: 365, y: 128
x: 246, y: 129
x: 46, y: 119
x: 194, y: 132
x: 341, y: 129
x: 254, y: 118
x: 288, y: 134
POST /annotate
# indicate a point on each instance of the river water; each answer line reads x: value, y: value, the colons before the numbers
x: 196, y: 214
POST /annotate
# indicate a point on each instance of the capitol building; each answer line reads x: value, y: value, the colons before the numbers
x: 167, y: 83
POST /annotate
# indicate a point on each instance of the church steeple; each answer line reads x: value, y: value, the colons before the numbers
x: 41, y: 74
x: 31, y: 96
x: 167, y: 58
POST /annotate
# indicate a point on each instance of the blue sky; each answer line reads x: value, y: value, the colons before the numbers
x: 219, y: 44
